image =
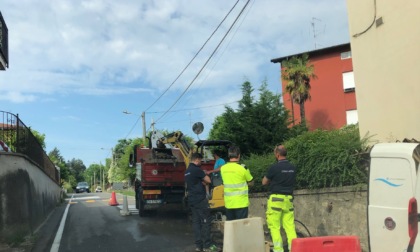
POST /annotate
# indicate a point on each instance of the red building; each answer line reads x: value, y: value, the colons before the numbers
x: 333, y: 102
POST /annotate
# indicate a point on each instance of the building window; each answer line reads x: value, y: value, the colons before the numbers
x: 346, y: 55
x: 352, y: 117
x: 348, y: 82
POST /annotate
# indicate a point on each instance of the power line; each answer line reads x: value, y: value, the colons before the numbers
x: 222, y: 52
x: 189, y: 63
x: 132, y: 128
x: 207, y: 61
x: 210, y: 106
x: 157, y: 112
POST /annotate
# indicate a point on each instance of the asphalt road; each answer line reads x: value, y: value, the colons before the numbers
x: 92, y: 225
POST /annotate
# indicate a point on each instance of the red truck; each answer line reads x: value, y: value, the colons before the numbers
x: 160, y: 170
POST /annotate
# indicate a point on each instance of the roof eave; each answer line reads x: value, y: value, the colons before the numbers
x: 313, y: 52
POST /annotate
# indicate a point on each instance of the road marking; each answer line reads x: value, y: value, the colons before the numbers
x: 56, y: 244
x: 90, y: 201
x: 116, y: 199
x: 85, y: 198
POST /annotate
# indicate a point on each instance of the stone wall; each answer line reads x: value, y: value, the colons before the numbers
x: 326, y: 212
x: 27, y: 196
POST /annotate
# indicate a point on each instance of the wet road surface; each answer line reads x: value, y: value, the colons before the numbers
x: 93, y: 225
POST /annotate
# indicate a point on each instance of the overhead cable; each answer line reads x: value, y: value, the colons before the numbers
x: 189, y: 63
x: 132, y: 128
x: 222, y: 52
x: 207, y: 61
x: 210, y: 106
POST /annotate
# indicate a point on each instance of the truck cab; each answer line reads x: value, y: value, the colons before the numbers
x: 394, y: 189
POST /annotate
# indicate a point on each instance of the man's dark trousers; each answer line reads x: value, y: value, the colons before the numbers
x: 236, y: 213
x: 201, y: 223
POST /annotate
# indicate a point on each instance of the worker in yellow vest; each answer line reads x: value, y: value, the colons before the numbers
x: 236, y: 179
x: 281, y: 178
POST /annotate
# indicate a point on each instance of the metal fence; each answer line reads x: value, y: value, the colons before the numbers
x: 4, y: 40
x: 20, y: 139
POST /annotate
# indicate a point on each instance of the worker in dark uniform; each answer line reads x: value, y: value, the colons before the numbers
x: 281, y: 178
x: 196, y: 180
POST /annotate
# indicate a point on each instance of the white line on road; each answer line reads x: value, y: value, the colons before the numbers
x: 85, y: 198
x: 56, y: 244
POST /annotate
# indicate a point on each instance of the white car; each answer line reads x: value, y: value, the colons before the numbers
x: 98, y: 189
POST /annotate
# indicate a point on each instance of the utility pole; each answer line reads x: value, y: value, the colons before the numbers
x: 143, y: 119
x: 103, y: 178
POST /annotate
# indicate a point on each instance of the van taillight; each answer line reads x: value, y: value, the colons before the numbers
x: 412, y: 220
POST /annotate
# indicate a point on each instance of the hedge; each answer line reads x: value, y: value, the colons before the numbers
x: 323, y: 159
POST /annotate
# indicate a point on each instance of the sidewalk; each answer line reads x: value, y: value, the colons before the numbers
x: 131, y: 201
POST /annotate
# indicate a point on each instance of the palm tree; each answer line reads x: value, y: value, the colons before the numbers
x: 297, y: 72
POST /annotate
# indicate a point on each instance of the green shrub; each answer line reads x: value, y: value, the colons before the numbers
x: 323, y: 159
x: 258, y: 166
x: 328, y: 158
x: 68, y: 187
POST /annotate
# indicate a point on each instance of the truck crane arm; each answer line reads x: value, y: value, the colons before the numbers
x: 176, y: 139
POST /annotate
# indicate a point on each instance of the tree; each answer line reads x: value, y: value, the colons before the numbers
x: 94, y: 171
x: 55, y: 156
x: 298, y: 73
x: 58, y: 160
x: 256, y: 126
x: 77, y: 168
x: 40, y: 137
x: 118, y: 166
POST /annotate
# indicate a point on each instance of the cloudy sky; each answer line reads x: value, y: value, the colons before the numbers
x: 75, y: 65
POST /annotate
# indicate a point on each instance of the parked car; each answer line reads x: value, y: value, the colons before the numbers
x: 98, y: 189
x: 82, y: 187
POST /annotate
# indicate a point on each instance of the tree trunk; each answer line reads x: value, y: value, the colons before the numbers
x: 302, y: 112
x: 293, y: 112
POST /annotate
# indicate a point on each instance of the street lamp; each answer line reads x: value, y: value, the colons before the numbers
x: 143, y: 120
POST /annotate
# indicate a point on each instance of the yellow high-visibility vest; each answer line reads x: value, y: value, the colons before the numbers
x: 235, y: 180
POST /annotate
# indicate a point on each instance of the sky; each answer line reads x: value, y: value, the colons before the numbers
x: 76, y: 66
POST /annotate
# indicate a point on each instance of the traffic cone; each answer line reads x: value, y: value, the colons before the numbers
x: 113, y: 200
x: 125, y: 211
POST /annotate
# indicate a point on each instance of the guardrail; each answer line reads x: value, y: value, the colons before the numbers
x: 19, y: 139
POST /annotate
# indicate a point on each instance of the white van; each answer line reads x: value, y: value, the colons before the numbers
x: 393, y: 193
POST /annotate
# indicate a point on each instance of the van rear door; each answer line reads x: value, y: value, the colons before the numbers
x: 392, y: 193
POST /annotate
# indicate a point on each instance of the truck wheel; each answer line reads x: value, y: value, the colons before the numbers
x: 141, y: 204
x: 137, y: 200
